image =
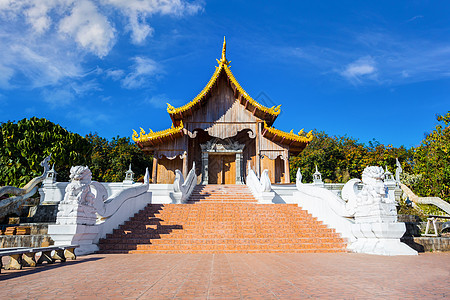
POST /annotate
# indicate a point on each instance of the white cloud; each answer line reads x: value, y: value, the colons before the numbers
x: 89, y: 28
x: 85, y: 87
x: 25, y: 63
x: 375, y: 58
x: 6, y: 73
x: 139, y: 30
x: 360, y: 69
x: 138, y: 11
x: 142, y: 69
x: 115, y: 74
x: 415, y: 18
x: 45, y: 42
x: 89, y: 118
x: 158, y: 101
x: 58, y: 97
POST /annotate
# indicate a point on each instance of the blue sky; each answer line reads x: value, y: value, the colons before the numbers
x: 367, y: 69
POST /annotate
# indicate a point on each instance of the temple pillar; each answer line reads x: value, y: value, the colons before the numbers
x: 287, y: 176
x: 239, y: 168
x: 185, y: 165
x: 205, y: 157
x: 258, y: 157
x: 155, y: 166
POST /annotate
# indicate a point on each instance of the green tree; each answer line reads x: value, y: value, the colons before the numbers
x: 110, y: 159
x: 432, y: 160
x: 26, y: 143
x: 340, y: 158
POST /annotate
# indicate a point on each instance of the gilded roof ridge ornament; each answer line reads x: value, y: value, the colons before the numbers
x: 170, y: 108
x: 223, y: 65
x: 291, y: 135
x: 223, y: 60
x: 152, y: 135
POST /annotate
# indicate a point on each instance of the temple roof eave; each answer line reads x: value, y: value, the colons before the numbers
x: 294, y: 141
x: 155, y: 138
x: 259, y: 110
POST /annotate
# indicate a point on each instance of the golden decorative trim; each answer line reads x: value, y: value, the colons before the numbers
x: 172, y: 110
x: 144, y: 137
x: 290, y: 135
x: 273, y: 110
x: 223, y: 65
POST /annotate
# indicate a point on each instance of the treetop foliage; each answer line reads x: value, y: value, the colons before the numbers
x: 26, y: 143
x: 111, y: 159
x: 342, y: 158
x: 432, y: 160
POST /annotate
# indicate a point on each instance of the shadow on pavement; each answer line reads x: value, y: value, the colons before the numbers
x: 8, y: 274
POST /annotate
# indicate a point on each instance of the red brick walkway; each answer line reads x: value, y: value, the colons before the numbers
x: 234, y: 276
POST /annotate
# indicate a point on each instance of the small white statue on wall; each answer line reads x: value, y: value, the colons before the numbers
x: 77, y: 205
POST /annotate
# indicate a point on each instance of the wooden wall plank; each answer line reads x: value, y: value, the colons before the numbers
x: 166, y: 169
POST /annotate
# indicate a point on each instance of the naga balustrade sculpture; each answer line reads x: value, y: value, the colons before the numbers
x: 183, y: 188
x: 261, y: 188
x: 12, y: 205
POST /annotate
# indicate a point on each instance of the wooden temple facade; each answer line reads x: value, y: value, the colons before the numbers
x: 222, y: 130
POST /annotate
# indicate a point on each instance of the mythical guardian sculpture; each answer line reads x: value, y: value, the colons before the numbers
x: 84, y: 198
x: 78, y: 203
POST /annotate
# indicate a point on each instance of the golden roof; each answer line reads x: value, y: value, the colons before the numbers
x: 288, y: 137
x: 159, y: 135
x: 223, y: 66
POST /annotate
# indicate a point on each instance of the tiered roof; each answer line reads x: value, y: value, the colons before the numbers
x: 259, y: 110
x: 268, y: 115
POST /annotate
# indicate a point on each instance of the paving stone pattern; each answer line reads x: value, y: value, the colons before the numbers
x: 222, y: 219
x: 234, y: 276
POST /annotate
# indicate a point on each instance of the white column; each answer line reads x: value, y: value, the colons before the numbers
x: 205, y: 157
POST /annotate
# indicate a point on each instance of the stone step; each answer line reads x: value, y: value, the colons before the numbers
x: 223, y: 251
x: 313, y: 245
x: 215, y: 235
x: 222, y: 218
x: 233, y: 241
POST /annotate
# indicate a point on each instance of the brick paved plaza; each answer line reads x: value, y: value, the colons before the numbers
x: 234, y: 276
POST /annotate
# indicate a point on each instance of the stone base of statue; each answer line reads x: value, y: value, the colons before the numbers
x: 378, y: 232
x: 75, y: 234
x: 266, y: 198
x: 75, y: 225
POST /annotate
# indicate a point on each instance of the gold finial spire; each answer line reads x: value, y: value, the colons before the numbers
x: 223, y: 60
x: 224, y: 49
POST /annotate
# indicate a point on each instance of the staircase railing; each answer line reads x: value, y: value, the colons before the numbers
x: 183, y: 188
x: 261, y: 188
x: 445, y: 206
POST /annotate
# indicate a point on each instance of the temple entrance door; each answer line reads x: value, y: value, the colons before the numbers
x: 215, y: 169
x: 229, y: 169
x: 222, y: 169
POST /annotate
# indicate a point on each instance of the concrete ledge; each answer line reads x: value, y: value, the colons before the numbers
x: 33, y: 241
x: 428, y: 244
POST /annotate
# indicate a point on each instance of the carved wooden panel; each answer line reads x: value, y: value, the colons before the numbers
x: 166, y: 169
x: 269, y: 146
x: 269, y: 164
x: 215, y: 169
x: 222, y: 169
x: 229, y: 169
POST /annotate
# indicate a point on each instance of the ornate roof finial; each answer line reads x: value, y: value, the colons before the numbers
x: 224, y: 49
x: 223, y: 60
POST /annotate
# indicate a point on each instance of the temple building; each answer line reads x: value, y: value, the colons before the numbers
x: 224, y: 131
